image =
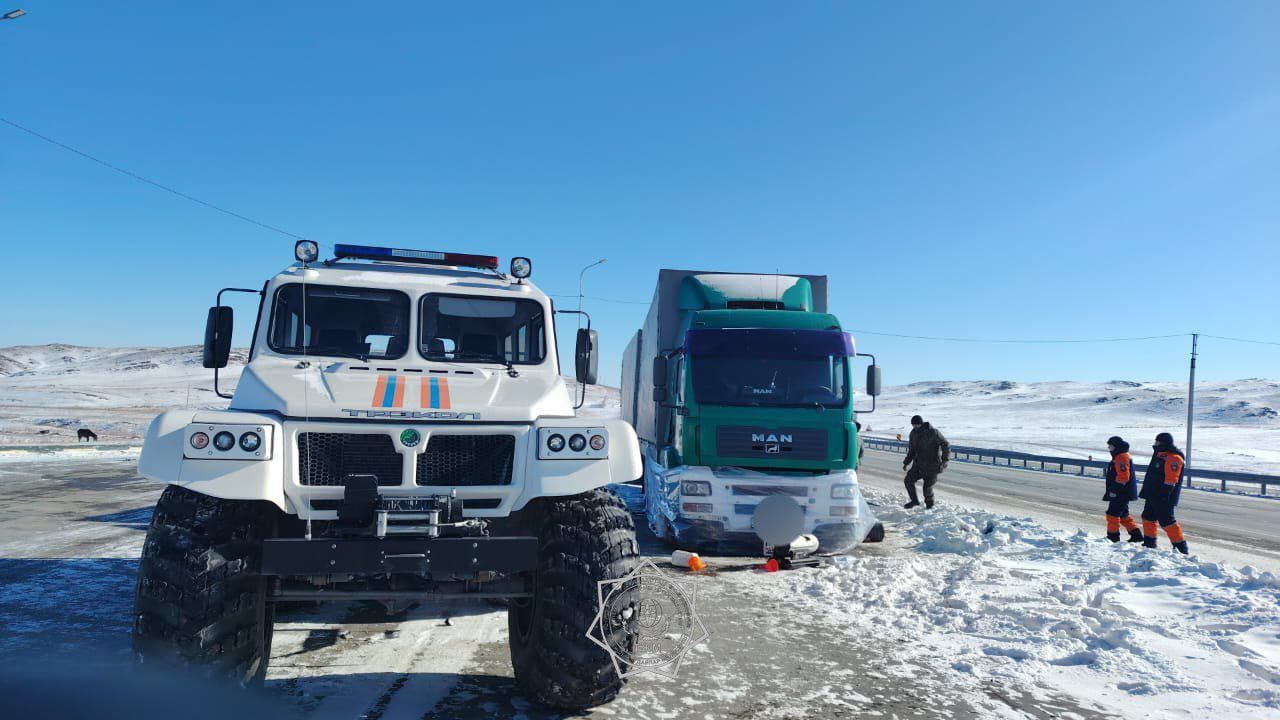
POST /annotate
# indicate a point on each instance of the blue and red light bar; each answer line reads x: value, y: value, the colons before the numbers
x: 425, y: 257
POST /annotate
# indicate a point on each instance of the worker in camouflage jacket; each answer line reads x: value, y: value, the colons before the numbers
x: 1122, y: 488
x: 1161, y: 488
x: 927, y: 455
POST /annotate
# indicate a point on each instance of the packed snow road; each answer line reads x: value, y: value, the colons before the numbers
x: 900, y: 629
x: 1220, y: 526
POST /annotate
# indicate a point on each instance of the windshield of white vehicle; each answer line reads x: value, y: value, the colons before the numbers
x: 769, y: 367
x: 466, y: 328
x: 351, y: 322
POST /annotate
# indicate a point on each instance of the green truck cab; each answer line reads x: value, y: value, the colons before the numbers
x: 740, y: 387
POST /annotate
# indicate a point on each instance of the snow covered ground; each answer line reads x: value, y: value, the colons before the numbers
x: 47, y: 392
x: 983, y: 599
x: 1237, y: 422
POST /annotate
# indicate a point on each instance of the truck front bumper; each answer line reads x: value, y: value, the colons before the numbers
x: 439, y: 558
x: 724, y: 518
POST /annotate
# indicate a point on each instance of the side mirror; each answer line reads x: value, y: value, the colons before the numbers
x: 217, y: 337
x: 660, y: 372
x: 586, y: 357
x: 659, y: 394
x: 873, y: 380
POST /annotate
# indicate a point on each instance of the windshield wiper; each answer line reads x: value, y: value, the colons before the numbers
x: 511, y: 368
x: 337, y: 353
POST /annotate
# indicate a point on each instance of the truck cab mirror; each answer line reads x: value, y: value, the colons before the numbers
x: 873, y: 380
x: 660, y: 374
x: 586, y: 357
x: 217, y: 337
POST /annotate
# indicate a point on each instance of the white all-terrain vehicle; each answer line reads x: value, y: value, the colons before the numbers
x: 401, y: 431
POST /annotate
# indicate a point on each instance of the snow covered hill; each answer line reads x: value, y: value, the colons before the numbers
x: 1237, y: 424
x: 47, y: 392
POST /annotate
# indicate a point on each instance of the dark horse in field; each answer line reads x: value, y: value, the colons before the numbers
x: 86, y: 434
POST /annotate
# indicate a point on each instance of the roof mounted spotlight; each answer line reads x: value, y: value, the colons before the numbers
x: 521, y: 267
x: 306, y: 251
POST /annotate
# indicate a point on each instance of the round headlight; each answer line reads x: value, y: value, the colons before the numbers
x: 224, y: 440
x: 577, y: 443
x: 250, y: 441
x: 521, y: 267
x: 597, y: 442
x: 555, y: 443
x: 199, y: 441
x: 306, y: 251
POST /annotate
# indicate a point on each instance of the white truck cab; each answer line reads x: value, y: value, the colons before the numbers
x: 401, y: 430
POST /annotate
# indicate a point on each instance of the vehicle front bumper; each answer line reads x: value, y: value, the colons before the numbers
x: 725, y: 518
x: 437, y: 557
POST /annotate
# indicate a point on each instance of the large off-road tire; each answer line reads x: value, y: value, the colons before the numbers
x: 582, y: 540
x: 201, y: 604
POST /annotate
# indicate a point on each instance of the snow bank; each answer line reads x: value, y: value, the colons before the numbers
x: 39, y: 454
x: 980, y: 597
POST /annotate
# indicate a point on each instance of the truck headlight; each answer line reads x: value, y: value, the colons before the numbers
x: 218, y: 441
x: 843, y: 491
x: 695, y: 487
x: 573, y: 443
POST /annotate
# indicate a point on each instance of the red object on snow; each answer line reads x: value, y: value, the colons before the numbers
x: 771, y: 565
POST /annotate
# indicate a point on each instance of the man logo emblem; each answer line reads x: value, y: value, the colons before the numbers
x: 773, y: 449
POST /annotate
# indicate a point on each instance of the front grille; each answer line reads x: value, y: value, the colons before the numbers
x: 749, y: 509
x: 328, y: 458
x: 767, y: 490
x: 467, y: 460
x: 760, y: 443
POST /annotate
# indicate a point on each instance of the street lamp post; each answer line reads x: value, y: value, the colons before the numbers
x: 597, y: 263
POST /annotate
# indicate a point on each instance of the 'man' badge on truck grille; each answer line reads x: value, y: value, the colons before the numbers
x: 739, y: 441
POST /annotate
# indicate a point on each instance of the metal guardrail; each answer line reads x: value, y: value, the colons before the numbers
x: 1068, y: 466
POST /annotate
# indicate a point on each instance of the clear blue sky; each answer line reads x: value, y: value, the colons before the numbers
x: 1026, y: 170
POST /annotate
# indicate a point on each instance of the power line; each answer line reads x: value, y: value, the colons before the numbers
x: 153, y: 183
x: 602, y: 299
x: 1242, y: 340
x: 1020, y: 341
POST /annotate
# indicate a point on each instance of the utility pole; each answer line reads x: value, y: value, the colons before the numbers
x: 1191, y: 407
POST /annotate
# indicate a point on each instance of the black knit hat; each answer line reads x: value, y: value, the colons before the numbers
x: 1164, y: 439
x: 917, y: 420
x: 1115, y: 440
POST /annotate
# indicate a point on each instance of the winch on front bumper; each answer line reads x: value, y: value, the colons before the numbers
x: 397, y: 547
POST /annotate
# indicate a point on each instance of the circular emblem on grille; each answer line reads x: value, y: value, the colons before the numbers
x: 410, y: 437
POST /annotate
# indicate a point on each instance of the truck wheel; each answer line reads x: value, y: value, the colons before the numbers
x: 200, y: 603
x: 582, y: 540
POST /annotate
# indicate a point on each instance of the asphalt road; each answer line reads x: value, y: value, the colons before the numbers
x: 70, y: 534
x: 1220, y: 526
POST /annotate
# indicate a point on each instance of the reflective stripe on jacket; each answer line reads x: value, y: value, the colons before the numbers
x: 1164, y: 477
x: 1121, y: 484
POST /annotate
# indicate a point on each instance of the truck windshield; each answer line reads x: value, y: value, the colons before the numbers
x: 354, y: 322
x: 466, y: 328
x: 769, y: 367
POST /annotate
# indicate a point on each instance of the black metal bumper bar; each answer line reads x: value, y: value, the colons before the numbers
x: 439, y: 557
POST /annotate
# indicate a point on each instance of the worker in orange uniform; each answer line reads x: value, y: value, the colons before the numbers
x: 1122, y: 488
x: 1161, y: 488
